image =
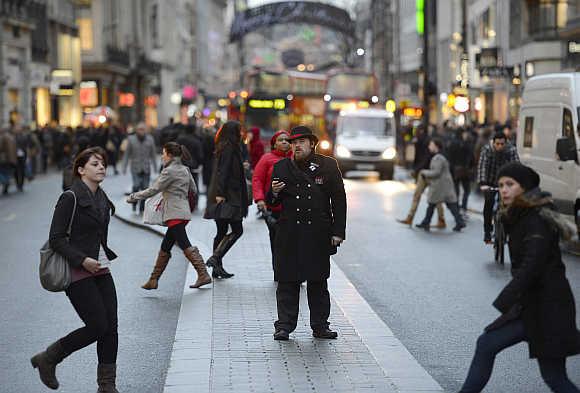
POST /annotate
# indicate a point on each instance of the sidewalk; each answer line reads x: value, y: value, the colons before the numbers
x: 224, y: 340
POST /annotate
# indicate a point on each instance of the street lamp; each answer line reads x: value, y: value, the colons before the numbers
x: 360, y: 52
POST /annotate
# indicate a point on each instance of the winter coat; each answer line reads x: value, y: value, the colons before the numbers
x: 460, y: 155
x: 141, y: 153
x: 194, y: 146
x: 90, y: 225
x: 441, y: 187
x: 175, y: 182
x: 228, y: 181
x: 539, y: 292
x: 262, y: 177
x: 312, y: 212
x: 256, y: 148
x: 7, y: 149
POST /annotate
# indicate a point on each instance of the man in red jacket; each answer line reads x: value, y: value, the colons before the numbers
x: 262, y: 180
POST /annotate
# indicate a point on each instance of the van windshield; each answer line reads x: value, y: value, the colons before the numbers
x: 377, y: 126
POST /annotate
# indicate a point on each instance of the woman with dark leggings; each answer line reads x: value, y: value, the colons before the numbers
x: 227, y: 199
x: 92, y: 290
x: 537, y: 305
x: 176, y: 184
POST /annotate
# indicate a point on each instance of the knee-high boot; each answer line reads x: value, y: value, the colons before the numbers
x: 192, y: 254
x: 160, y: 265
x: 106, y: 378
x: 215, y: 261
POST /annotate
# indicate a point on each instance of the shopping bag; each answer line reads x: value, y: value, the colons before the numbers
x: 153, y: 213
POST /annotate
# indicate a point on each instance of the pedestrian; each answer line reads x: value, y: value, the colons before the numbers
x: 141, y: 153
x: 310, y: 190
x: 262, y: 181
x: 208, y: 142
x: 537, y: 305
x: 440, y: 187
x: 460, y: 154
x: 23, y: 143
x: 176, y: 184
x: 92, y: 290
x: 8, y: 158
x: 493, y: 156
x: 256, y: 146
x: 227, y: 199
x: 194, y: 145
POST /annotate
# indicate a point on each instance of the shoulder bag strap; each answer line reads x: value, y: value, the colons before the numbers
x: 68, y: 231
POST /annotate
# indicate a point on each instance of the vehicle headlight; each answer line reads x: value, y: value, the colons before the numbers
x: 390, y: 153
x: 342, y: 152
x: 325, y: 145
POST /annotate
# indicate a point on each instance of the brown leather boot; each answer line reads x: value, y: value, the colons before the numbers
x: 193, y: 255
x: 46, y: 363
x: 440, y: 224
x: 406, y: 221
x: 160, y: 265
x: 106, y: 378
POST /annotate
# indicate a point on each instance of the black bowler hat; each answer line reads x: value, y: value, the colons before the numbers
x: 302, y: 132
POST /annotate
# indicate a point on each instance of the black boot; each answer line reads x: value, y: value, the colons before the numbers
x: 46, y: 363
x: 215, y: 261
x: 218, y: 270
x: 106, y: 378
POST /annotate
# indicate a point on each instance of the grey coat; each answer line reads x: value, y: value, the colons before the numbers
x: 441, y: 187
x: 175, y: 182
x: 141, y: 154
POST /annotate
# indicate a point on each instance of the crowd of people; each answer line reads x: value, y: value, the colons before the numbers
x: 302, y: 197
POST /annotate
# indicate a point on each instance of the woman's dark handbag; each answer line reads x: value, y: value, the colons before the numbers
x: 222, y: 211
x: 54, y: 270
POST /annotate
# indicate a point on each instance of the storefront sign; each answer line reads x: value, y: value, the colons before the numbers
x: 573, y: 53
x: 413, y: 112
x: 278, y: 104
x: 152, y: 101
x: 489, y: 64
x: 62, y: 77
x: 348, y: 105
x: 126, y: 99
x: 89, y: 93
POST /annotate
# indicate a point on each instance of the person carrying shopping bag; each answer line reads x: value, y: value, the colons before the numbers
x: 176, y: 184
x: 92, y: 289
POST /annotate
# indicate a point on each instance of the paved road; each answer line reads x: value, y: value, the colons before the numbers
x: 32, y: 317
x: 434, y: 290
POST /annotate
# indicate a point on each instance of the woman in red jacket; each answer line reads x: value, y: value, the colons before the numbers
x: 262, y: 179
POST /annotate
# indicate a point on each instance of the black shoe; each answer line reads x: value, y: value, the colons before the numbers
x: 281, y: 335
x: 324, y: 333
x: 423, y: 226
x: 220, y: 272
x: 487, y: 238
x: 459, y: 227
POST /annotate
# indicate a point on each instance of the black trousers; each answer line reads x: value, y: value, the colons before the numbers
x: 488, y: 211
x: 288, y: 300
x: 175, y: 234
x: 95, y: 301
x: 222, y: 230
x: 466, y: 185
x: 272, y: 228
x: 20, y: 172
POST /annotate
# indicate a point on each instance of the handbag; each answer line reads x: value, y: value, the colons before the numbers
x: 54, y: 270
x: 153, y: 213
x: 222, y: 211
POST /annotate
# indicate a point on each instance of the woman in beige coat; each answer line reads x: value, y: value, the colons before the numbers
x: 175, y: 182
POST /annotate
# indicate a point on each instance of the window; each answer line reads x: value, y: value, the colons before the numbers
x: 567, y: 124
x: 529, y: 131
x: 549, y: 15
x: 155, y: 26
x: 86, y: 33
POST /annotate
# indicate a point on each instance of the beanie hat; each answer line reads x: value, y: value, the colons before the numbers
x: 526, y: 176
x: 276, y: 135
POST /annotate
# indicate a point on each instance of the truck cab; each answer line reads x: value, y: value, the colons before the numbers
x: 548, y: 138
x: 365, y: 141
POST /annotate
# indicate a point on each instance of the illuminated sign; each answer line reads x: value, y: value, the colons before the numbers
x: 66, y: 92
x: 126, y: 99
x: 89, y: 93
x: 420, y: 16
x: 461, y: 104
x: 413, y: 112
x: 348, y: 105
x: 152, y: 101
x: 278, y: 104
x: 223, y: 102
x: 391, y: 106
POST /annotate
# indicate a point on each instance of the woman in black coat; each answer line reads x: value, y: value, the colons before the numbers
x: 92, y: 290
x: 537, y: 305
x: 227, y: 198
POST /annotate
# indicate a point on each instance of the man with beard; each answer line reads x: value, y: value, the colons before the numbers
x: 312, y: 224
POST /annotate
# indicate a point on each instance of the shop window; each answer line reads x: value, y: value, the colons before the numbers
x: 86, y: 33
x: 528, y: 131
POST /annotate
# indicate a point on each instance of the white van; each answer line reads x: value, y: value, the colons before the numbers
x: 365, y: 141
x: 549, y: 136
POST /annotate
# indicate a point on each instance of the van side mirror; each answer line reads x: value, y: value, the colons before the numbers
x: 566, y: 149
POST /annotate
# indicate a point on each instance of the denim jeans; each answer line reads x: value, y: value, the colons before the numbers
x: 489, y: 344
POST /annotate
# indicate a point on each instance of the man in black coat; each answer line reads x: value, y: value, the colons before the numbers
x: 312, y: 224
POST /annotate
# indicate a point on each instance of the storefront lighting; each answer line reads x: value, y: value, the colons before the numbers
x: 301, y: 67
x: 374, y: 99
x: 278, y: 104
x: 530, y: 69
x: 451, y: 100
x: 66, y: 92
x: 88, y: 85
x: 461, y: 104
x: 491, y: 34
x: 244, y: 94
x: 443, y: 97
x: 327, y: 97
x: 232, y: 95
x: 325, y: 145
x: 478, y: 104
x: 516, y: 81
x: 391, y: 106
x: 310, y: 67
x: 191, y: 110
x: 360, y: 52
x: 223, y: 102
x: 289, y: 97
x: 102, y: 119
x: 175, y: 98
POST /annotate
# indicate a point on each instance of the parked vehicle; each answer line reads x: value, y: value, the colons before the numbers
x: 365, y: 140
x: 549, y: 136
